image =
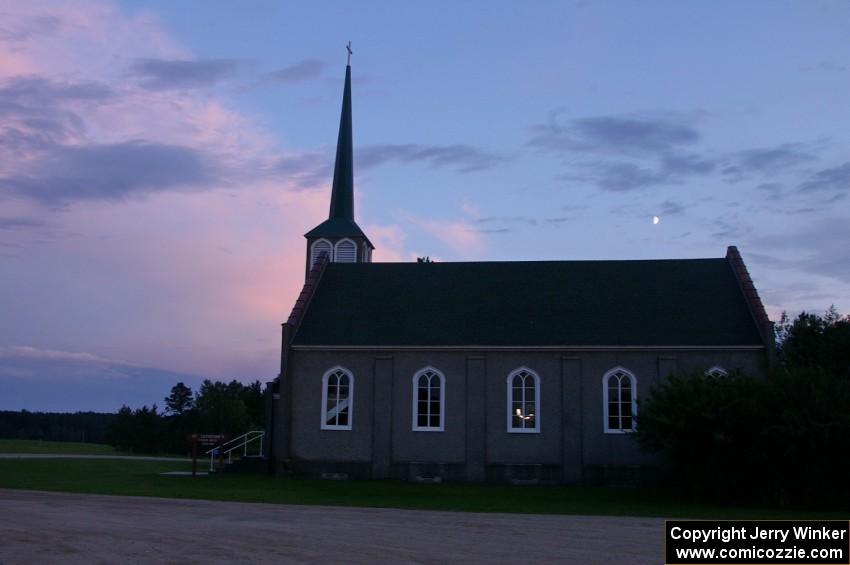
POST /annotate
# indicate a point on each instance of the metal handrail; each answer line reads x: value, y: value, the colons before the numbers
x: 246, y: 438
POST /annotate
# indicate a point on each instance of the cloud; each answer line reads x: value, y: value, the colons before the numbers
x: 205, y: 278
x: 27, y: 28
x: 824, y: 66
x: 835, y: 178
x: 389, y: 243
x: 164, y: 74
x: 19, y: 224
x: 315, y: 169
x: 621, y: 176
x: 461, y: 236
x: 618, y: 135
x: 773, y: 159
x: 112, y: 172
x: 818, y: 249
x: 459, y: 157
x: 773, y: 190
x: 79, y: 381
x: 34, y: 91
x: 766, y: 161
x: 492, y: 230
x: 306, y: 170
x: 620, y: 153
x: 671, y: 208
x: 508, y: 220
x: 37, y: 113
x: 828, y: 252
x: 509, y: 224
x: 299, y: 72
x: 629, y: 152
x: 681, y: 165
x: 730, y: 229
x: 28, y: 352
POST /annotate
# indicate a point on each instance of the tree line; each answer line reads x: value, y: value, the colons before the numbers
x: 229, y: 409
x: 92, y: 427
x: 780, y: 440
x: 217, y: 407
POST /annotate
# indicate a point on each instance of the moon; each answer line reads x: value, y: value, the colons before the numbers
x: 655, y: 220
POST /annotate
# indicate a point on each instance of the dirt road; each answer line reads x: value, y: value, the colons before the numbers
x: 41, y: 527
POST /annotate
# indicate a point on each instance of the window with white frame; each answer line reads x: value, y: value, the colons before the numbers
x: 429, y: 394
x: 523, y: 401
x: 337, y: 399
x: 320, y: 247
x: 619, y: 400
x: 345, y: 252
x: 716, y: 371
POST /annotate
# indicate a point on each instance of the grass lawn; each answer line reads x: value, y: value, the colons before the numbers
x: 142, y: 478
x: 71, y: 447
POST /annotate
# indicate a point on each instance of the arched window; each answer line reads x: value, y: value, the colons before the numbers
x: 345, y: 251
x: 619, y: 401
x: 523, y: 401
x: 320, y: 247
x: 716, y: 371
x: 429, y: 394
x: 337, y: 399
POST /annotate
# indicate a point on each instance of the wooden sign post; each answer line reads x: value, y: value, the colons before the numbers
x: 203, y: 440
x: 194, y: 439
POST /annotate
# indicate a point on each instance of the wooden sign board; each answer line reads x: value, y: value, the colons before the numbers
x: 208, y: 440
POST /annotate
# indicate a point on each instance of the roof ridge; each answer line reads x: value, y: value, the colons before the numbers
x: 543, y: 261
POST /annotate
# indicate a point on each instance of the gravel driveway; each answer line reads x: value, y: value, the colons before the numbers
x: 42, y: 527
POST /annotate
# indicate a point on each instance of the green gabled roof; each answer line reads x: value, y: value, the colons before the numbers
x: 688, y: 302
x: 337, y: 227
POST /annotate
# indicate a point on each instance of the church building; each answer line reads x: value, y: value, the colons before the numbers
x: 491, y: 371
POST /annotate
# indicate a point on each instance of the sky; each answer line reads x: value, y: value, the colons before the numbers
x: 160, y: 162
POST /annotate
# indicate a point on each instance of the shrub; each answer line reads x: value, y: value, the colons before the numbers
x: 783, y: 440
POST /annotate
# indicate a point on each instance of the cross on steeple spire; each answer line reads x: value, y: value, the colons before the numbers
x: 350, y: 52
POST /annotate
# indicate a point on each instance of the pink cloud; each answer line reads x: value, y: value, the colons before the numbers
x: 36, y: 353
x: 389, y: 243
x: 195, y: 280
x: 458, y: 235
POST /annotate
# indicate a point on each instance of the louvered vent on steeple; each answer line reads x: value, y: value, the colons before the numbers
x: 321, y: 247
x: 345, y: 252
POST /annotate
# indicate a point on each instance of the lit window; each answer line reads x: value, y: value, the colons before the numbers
x: 321, y: 247
x: 429, y: 393
x: 716, y: 371
x: 523, y: 401
x: 345, y: 252
x: 619, y: 400
x: 337, y: 399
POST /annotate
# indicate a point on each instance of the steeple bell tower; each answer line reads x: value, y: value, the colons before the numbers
x: 339, y: 237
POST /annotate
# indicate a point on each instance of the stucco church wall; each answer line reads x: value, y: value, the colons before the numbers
x: 475, y: 435
x: 542, y: 447
x: 309, y: 440
x: 447, y: 446
x: 651, y: 368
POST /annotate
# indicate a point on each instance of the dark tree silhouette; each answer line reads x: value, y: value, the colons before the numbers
x: 814, y: 341
x: 180, y: 400
x: 783, y: 439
